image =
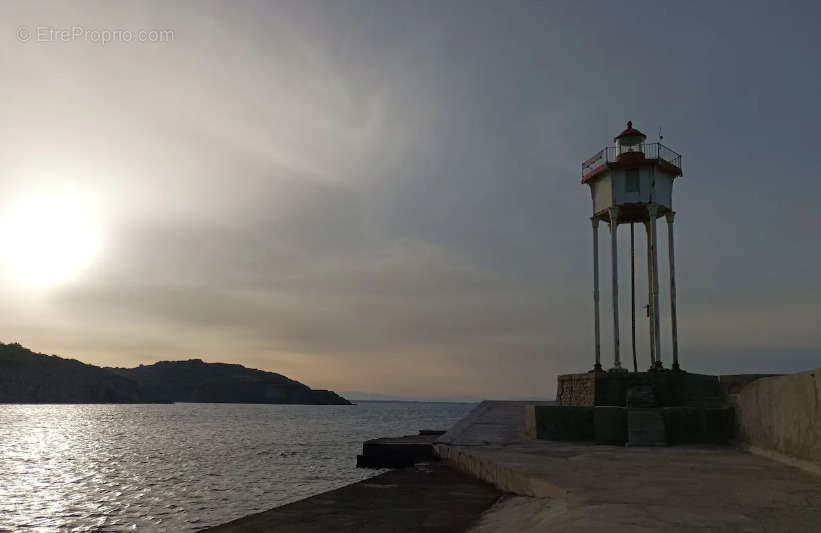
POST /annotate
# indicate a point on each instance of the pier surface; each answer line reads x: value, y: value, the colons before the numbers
x: 581, y: 487
x: 429, y: 498
x: 560, y: 487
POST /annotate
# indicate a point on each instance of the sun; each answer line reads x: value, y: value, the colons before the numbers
x: 47, y: 240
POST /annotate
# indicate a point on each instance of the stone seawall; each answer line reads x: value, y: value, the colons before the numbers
x: 670, y: 388
x: 783, y: 415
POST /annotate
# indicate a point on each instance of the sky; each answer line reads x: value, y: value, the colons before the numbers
x: 385, y: 196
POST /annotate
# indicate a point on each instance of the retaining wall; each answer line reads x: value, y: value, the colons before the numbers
x: 782, y: 414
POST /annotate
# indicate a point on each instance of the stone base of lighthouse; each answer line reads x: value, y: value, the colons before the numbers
x: 664, y: 389
x: 637, y: 409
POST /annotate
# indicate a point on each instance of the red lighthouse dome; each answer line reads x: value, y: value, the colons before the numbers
x: 629, y: 132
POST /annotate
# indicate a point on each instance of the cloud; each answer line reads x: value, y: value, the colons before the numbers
x: 386, y: 197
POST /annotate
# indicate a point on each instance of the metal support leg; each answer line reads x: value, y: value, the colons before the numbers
x: 633, y: 296
x: 654, y: 284
x: 650, y: 299
x: 614, y: 224
x: 597, y: 335
x: 674, y: 326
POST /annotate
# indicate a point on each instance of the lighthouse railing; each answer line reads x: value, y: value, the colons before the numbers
x: 596, y: 160
x: 610, y: 154
x: 666, y: 154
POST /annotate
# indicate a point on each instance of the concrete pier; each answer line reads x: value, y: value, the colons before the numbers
x: 430, y: 498
x: 564, y: 487
x: 574, y: 487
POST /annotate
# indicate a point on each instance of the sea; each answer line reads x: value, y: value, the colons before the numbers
x: 184, y: 467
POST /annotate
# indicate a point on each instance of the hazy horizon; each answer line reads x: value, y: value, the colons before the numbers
x: 386, y: 197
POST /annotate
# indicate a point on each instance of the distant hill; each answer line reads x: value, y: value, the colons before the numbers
x: 196, y: 381
x: 29, y: 377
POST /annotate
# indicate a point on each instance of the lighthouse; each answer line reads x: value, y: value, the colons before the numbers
x: 632, y: 182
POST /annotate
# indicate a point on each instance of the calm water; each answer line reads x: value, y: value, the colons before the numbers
x: 183, y: 467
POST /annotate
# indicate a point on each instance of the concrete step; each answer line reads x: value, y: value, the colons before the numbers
x: 645, y: 427
x: 398, y: 452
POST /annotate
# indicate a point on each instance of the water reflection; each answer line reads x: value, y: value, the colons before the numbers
x: 183, y: 466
